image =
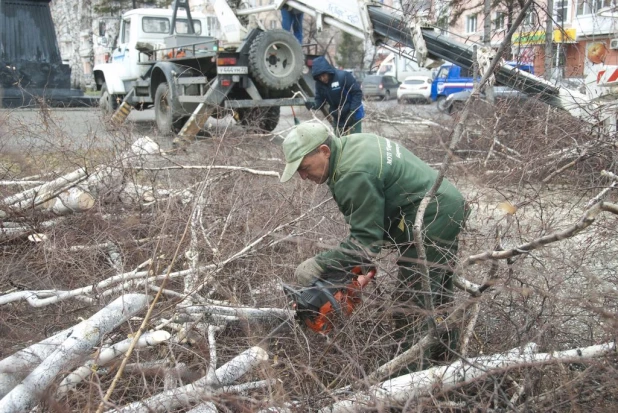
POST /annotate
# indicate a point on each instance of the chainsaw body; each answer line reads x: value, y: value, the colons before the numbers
x: 317, y: 305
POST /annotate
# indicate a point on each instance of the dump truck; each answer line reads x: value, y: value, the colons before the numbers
x: 174, y: 60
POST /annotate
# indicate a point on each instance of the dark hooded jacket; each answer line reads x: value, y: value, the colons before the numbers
x: 342, y: 93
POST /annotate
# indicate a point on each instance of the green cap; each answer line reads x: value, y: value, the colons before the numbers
x: 303, y: 139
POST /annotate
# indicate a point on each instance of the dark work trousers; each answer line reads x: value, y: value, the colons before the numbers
x: 349, y: 128
x: 411, y: 313
x: 293, y: 21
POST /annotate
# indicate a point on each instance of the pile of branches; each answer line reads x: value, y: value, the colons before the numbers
x: 152, y: 282
x: 528, y: 140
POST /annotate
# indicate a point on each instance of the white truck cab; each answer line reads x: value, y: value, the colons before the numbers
x: 143, y: 32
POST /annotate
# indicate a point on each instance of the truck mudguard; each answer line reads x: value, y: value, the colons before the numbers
x: 165, y: 72
x: 110, y: 74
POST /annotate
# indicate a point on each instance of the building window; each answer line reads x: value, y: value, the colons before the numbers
x: 499, y: 21
x: 471, y: 23
x: 591, y: 6
x: 531, y: 18
x: 561, y: 10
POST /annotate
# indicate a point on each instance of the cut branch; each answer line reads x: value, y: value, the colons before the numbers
x: 586, y: 220
x: 414, y: 385
x: 82, y: 339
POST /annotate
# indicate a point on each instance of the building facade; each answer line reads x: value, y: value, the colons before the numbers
x: 584, y: 34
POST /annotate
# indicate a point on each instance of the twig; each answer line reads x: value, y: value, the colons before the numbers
x: 585, y: 221
x: 210, y: 167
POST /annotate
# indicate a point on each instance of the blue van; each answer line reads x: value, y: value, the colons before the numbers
x: 451, y: 78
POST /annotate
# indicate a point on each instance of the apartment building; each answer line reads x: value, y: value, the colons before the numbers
x: 584, y: 34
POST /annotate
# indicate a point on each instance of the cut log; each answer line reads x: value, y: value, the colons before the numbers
x: 72, y: 200
x: 412, y: 386
x: 106, y: 355
x: 82, y: 339
x: 191, y: 393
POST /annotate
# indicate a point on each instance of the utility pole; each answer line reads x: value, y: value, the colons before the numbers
x: 549, y: 39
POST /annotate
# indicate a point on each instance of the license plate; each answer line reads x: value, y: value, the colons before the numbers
x: 232, y: 70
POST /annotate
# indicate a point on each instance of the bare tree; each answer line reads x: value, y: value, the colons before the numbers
x: 165, y: 267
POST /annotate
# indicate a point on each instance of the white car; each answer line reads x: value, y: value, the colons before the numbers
x: 415, y: 88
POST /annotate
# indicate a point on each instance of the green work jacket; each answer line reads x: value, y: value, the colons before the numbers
x: 378, y: 186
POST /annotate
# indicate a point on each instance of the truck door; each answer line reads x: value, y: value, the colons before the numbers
x: 125, y: 53
x: 459, y: 79
x: 451, y: 79
x: 437, y: 86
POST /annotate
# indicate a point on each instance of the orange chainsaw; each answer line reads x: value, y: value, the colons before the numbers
x: 317, y: 305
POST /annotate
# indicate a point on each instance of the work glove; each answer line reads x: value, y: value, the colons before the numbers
x: 309, y: 105
x: 308, y: 272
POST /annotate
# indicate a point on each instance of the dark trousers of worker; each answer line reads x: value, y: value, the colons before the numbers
x: 291, y: 20
x: 349, y: 128
x: 413, y: 314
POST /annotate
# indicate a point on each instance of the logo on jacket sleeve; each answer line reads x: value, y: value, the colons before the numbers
x: 389, y: 151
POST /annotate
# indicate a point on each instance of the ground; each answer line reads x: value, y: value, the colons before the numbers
x: 560, y: 297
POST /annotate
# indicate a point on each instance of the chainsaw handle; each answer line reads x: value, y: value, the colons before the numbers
x: 364, y: 279
x: 331, y: 298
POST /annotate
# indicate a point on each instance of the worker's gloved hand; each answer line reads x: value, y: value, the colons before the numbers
x: 308, y: 272
x: 309, y: 105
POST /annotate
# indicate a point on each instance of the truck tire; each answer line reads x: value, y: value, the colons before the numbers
x: 441, y: 103
x: 107, y: 102
x: 167, y: 121
x: 265, y: 119
x: 276, y: 59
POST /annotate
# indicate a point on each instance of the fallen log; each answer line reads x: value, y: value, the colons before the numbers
x: 105, y: 356
x: 101, y: 181
x: 438, y: 379
x: 61, y: 354
x: 191, y: 393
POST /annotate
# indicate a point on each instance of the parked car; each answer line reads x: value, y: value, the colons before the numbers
x: 415, y: 88
x: 455, y: 102
x: 384, y: 87
x: 358, y: 74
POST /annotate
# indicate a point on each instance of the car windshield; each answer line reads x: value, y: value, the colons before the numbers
x: 372, y: 80
x: 414, y: 82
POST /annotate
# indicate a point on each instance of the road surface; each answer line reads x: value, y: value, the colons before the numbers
x: 80, y: 128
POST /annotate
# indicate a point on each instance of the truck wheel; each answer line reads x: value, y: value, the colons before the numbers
x: 441, y: 103
x: 107, y: 102
x: 262, y: 118
x: 164, y: 113
x: 276, y: 59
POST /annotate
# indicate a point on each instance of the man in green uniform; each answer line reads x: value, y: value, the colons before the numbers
x: 378, y: 186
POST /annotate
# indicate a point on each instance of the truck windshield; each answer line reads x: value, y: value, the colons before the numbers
x: 443, y: 73
x: 162, y: 25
